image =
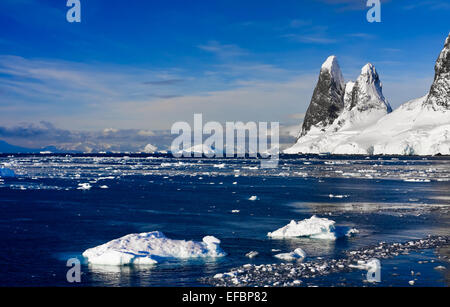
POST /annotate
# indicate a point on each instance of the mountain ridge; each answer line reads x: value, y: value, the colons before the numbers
x: 418, y: 127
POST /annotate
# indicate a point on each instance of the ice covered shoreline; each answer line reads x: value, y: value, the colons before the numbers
x: 295, y: 274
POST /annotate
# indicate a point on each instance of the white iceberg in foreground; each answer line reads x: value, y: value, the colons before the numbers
x: 315, y: 227
x: 151, y: 248
x: 297, y: 254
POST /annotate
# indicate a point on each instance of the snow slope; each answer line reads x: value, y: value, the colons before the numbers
x: 412, y: 129
x: 366, y: 125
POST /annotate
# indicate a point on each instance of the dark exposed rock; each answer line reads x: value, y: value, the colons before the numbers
x: 327, y: 101
x: 439, y: 96
x: 367, y: 92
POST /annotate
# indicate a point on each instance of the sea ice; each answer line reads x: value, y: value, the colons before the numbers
x: 84, y: 186
x: 297, y: 254
x: 151, y: 248
x: 315, y: 227
x: 252, y: 254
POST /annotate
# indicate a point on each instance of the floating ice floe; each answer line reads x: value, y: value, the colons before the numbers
x: 372, y: 264
x: 151, y: 248
x: 84, y: 186
x: 252, y: 254
x: 337, y: 196
x: 417, y: 180
x: 253, y: 198
x: 6, y: 172
x: 315, y: 227
x: 297, y: 254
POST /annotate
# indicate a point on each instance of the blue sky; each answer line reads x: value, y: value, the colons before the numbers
x: 146, y: 64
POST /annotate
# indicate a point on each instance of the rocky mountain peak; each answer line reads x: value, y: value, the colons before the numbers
x: 327, y: 101
x: 439, y: 96
x: 367, y: 92
x: 331, y: 66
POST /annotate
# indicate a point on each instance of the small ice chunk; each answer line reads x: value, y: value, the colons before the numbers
x: 252, y: 254
x: 297, y: 254
x: 253, y: 198
x: 235, y: 211
x: 104, y: 187
x: 337, y: 196
x: 151, y: 248
x: 84, y: 186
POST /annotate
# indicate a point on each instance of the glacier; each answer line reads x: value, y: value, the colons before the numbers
x: 368, y: 126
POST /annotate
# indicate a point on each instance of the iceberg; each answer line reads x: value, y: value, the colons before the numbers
x: 314, y: 227
x: 297, y: 254
x: 150, y: 148
x: 252, y: 254
x: 151, y: 248
x: 84, y: 186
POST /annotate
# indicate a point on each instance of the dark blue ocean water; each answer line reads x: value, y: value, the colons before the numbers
x: 46, y: 220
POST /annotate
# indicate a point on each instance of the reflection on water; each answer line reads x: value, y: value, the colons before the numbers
x: 150, y: 275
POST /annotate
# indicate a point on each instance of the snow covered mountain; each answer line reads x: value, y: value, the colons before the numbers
x: 367, y: 125
x: 328, y: 98
x: 439, y: 97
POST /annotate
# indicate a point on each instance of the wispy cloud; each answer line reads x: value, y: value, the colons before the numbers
x: 165, y: 82
x: 361, y: 35
x: 429, y: 4
x: 45, y: 134
x: 310, y: 39
x: 223, y: 50
x: 348, y: 5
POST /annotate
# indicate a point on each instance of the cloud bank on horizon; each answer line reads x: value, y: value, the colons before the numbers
x: 133, y: 67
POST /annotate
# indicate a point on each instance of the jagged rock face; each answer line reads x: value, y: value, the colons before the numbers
x: 439, y: 96
x: 348, y: 94
x: 327, y: 101
x: 367, y: 92
x: 364, y: 102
